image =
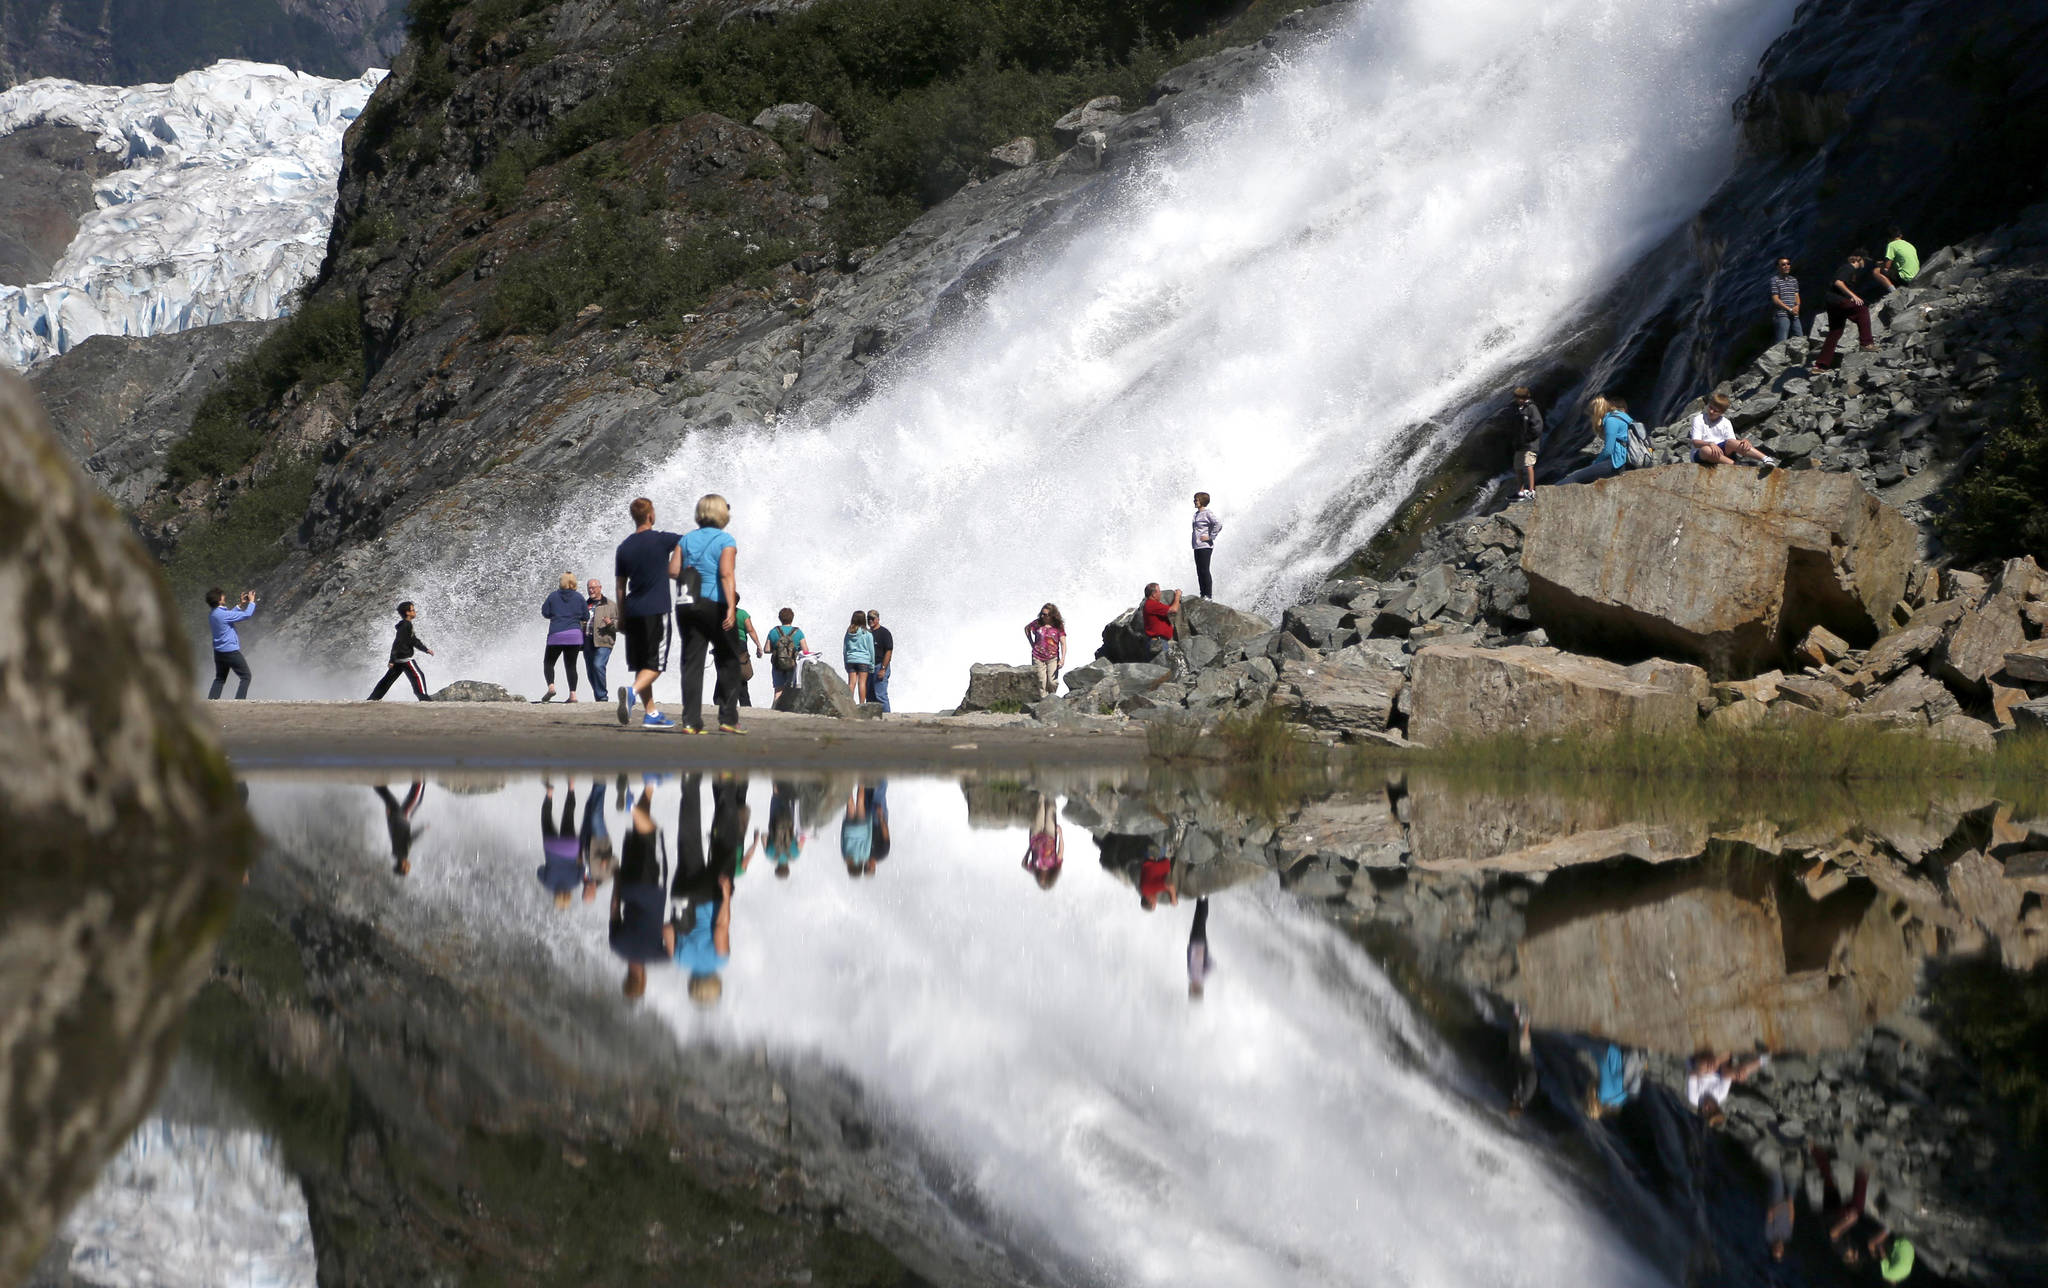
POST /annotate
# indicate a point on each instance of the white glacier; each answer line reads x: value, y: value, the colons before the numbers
x: 221, y: 214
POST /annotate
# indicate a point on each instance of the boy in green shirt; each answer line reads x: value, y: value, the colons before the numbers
x: 1901, y: 262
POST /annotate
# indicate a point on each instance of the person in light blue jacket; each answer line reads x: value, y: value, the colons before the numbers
x: 227, y: 645
x: 859, y: 652
x: 1610, y: 414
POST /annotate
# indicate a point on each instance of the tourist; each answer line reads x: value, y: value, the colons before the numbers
x: 1156, y: 879
x: 1845, y: 305
x: 1714, y: 441
x: 1617, y: 1080
x: 398, y: 823
x: 1839, y: 1217
x: 1047, y: 633
x: 1785, y: 303
x: 1527, y: 1083
x: 885, y: 660
x: 707, y: 569
x: 1610, y: 416
x: 1200, y: 963
x: 227, y: 645
x: 1901, y: 262
x: 1206, y: 528
x: 404, y: 643
x: 785, y: 649
x: 640, y: 931
x: 641, y: 569
x: 784, y: 843
x: 1528, y: 438
x: 561, y: 849
x: 857, y: 835
x: 600, y: 635
x: 743, y: 633
x: 1894, y: 1256
x: 1045, y: 853
x: 1157, y: 611
x: 1710, y: 1078
x: 858, y: 652
x: 878, y: 816
x: 1778, y: 1216
x: 565, y: 610
x: 702, y: 893
x: 594, y: 842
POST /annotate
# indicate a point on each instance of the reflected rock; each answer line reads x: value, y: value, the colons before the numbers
x: 124, y: 834
x: 1538, y: 832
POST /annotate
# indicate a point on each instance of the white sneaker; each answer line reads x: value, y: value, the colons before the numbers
x: 1524, y: 494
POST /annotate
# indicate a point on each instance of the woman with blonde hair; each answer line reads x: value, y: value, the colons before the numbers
x: 704, y: 565
x: 565, y: 610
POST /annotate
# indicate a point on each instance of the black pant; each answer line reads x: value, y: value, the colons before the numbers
x: 1202, y: 554
x: 411, y: 671
x: 222, y: 664
x: 701, y: 624
x: 569, y: 653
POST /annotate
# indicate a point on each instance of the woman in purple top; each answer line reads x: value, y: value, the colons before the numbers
x: 565, y: 610
x: 561, y: 850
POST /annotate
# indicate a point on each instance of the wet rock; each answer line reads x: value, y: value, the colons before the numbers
x: 1091, y: 115
x: 125, y: 838
x: 994, y: 685
x: 1460, y: 691
x: 819, y: 691
x: 1726, y: 568
x: 476, y: 691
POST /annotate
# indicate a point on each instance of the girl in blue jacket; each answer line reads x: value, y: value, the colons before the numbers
x: 1611, y: 415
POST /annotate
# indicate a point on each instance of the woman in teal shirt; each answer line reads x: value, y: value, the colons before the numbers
x: 1611, y: 414
x: 704, y: 566
x: 859, y: 652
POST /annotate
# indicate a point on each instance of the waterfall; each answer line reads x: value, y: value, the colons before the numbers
x: 1399, y: 220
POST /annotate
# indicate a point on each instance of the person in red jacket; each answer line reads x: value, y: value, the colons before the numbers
x: 1157, y: 611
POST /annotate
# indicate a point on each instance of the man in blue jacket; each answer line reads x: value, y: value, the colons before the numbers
x: 227, y: 646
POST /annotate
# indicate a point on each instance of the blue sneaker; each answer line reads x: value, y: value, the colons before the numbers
x: 656, y: 721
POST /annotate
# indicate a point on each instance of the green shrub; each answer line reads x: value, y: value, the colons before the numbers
x: 2000, y: 509
x: 239, y: 545
x: 1999, y: 1021
x: 322, y: 342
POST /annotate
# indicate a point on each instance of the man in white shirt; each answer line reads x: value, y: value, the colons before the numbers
x: 1714, y: 441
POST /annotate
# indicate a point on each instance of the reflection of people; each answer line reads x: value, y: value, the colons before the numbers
x: 784, y: 843
x: 561, y: 853
x: 1893, y: 1257
x: 398, y: 821
x: 1526, y: 1081
x: 594, y: 842
x: 857, y: 835
x: 1200, y: 963
x: 701, y: 925
x: 1155, y: 879
x: 878, y: 814
x: 1046, y: 852
x: 640, y: 932
x: 1778, y: 1217
x: 1620, y: 1078
x: 1711, y: 1077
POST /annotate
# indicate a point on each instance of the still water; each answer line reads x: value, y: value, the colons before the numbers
x: 581, y: 1028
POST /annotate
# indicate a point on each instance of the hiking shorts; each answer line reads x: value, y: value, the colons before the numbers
x: 646, y: 642
x: 782, y: 679
x: 1529, y: 458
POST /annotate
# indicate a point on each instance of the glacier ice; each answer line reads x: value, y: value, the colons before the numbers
x: 221, y: 214
x: 191, y: 1204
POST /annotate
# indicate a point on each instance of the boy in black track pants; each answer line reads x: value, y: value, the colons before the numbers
x: 403, y: 645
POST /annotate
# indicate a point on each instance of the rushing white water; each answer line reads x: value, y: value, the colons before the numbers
x: 1401, y: 218
x: 1297, y: 1126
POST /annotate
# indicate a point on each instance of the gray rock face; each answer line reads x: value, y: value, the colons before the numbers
x: 992, y: 684
x: 1205, y: 619
x: 114, y: 46
x: 1345, y: 699
x: 477, y: 691
x: 120, y: 402
x: 124, y: 834
x: 819, y: 691
x: 46, y: 178
x: 1463, y: 692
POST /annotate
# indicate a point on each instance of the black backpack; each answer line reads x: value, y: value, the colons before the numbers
x: 783, y: 650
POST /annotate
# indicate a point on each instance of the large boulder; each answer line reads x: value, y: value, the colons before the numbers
x: 1976, y: 649
x: 1205, y: 619
x: 819, y: 691
x: 1123, y: 640
x: 1342, y: 698
x: 124, y: 833
x: 1461, y: 691
x: 993, y: 685
x: 1719, y: 566
x: 476, y: 691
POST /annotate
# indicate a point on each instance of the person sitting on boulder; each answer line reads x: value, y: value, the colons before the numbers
x: 1846, y: 304
x: 1157, y: 611
x: 1901, y: 262
x: 1714, y: 441
x: 1710, y: 1078
x: 1609, y: 415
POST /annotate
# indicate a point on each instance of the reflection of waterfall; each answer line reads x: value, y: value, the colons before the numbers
x: 1407, y: 214
x: 1298, y: 1126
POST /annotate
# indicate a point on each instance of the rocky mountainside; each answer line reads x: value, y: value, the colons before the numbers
x: 129, y: 42
x: 46, y: 183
